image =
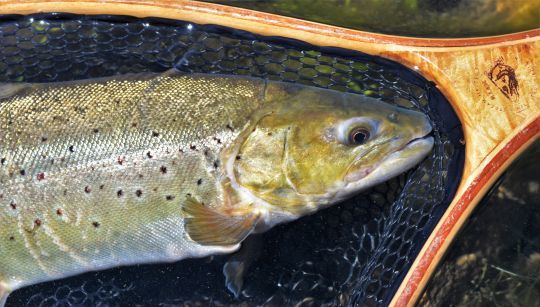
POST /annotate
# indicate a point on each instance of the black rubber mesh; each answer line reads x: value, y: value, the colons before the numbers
x: 353, y: 253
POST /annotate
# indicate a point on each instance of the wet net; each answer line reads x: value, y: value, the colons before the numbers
x: 354, y: 253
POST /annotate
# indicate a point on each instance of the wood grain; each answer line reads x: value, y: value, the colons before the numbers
x: 492, y: 83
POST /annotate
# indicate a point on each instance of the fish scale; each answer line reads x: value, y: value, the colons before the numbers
x: 109, y: 150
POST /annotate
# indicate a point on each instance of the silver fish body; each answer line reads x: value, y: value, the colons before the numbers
x: 100, y: 173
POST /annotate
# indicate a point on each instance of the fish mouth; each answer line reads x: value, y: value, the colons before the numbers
x: 404, y: 158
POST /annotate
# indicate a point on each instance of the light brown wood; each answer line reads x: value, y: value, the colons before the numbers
x: 492, y: 83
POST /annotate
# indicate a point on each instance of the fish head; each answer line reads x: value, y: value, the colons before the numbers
x: 313, y: 147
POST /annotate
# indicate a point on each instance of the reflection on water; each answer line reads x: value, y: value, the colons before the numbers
x: 495, y: 261
x: 424, y: 18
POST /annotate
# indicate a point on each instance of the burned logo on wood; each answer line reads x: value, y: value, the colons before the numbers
x: 504, y: 77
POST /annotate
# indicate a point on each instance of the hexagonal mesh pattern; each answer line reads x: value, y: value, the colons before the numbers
x: 354, y: 253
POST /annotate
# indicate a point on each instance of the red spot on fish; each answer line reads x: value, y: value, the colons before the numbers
x: 59, y: 212
x: 37, y: 222
x: 40, y: 176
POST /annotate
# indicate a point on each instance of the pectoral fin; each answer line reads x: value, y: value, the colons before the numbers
x: 207, y: 226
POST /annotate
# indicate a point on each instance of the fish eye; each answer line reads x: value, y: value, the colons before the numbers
x: 358, y: 136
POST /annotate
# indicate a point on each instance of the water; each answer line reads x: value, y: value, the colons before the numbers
x: 495, y: 261
x: 422, y: 18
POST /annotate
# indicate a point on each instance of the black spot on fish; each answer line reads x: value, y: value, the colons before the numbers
x: 181, y: 150
x: 169, y: 197
x: 216, y: 164
x: 22, y: 172
x: 188, y: 194
x: 95, y: 130
x: 141, y: 176
x: 3, y: 161
x: 13, y: 205
x: 206, y: 152
x: 193, y: 147
x: 134, y: 125
x: 87, y: 189
x: 155, y: 134
x: 120, y: 160
x: 149, y: 155
x: 119, y: 193
x: 11, y: 238
x: 101, y: 187
x: 44, y: 139
x: 230, y: 127
x: 71, y: 148
x: 138, y: 193
x: 163, y: 169
x: 238, y: 157
x: 199, y: 182
x: 52, y: 161
x: 95, y: 224
x: 218, y: 140
x: 59, y: 212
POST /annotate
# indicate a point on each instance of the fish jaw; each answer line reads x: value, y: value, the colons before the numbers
x: 396, y: 163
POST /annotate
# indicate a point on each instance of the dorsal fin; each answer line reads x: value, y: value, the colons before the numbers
x: 10, y: 89
x: 207, y: 226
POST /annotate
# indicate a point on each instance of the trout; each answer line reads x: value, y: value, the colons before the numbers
x: 161, y: 167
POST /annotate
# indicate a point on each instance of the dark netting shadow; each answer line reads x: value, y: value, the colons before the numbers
x: 354, y: 253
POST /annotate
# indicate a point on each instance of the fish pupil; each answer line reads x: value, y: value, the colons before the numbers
x: 359, y: 136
